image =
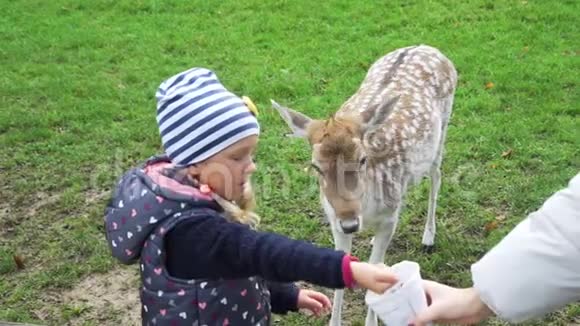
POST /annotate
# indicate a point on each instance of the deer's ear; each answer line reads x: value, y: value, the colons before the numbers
x: 297, y: 121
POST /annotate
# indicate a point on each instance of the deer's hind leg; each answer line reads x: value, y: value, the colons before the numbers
x: 428, y: 240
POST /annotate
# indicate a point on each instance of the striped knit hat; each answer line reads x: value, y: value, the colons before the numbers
x: 198, y: 117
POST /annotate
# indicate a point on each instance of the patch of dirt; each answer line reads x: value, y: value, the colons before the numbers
x: 95, y: 196
x: 4, y: 211
x: 12, y: 216
x: 109, y: 299
x: 7, y: 222
x: 40, y: 200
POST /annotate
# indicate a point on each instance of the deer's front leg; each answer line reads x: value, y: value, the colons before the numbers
x: 380, y: 244
x: 341, y: 242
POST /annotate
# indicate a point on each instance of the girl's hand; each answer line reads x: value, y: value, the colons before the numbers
x: 377, y: 278
x: 451, y: 305
x: 314, y: 301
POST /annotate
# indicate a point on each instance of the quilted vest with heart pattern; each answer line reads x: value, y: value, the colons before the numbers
x: 170, y: 301
x: 144, y: 207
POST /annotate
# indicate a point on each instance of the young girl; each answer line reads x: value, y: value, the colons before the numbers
x: 187, y: 216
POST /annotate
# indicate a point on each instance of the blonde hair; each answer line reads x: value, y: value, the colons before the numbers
x: 242, y: 212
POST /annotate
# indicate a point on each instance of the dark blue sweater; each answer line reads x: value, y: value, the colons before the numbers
x: 211, y: 247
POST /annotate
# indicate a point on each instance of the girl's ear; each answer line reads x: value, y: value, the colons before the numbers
x: 193, y: 171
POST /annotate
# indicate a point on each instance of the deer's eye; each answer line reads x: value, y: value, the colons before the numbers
x: 317, y: 168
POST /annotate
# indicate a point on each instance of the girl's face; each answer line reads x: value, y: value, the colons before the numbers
x: 227, y: 171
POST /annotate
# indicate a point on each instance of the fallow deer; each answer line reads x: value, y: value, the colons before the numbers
x: 387, y: 136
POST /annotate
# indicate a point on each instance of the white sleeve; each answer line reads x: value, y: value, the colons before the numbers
x: 535, y: 269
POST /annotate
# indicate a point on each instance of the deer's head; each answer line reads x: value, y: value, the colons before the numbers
x: 339, y: 157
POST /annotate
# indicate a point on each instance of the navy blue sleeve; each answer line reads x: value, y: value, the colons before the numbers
x: 212, y: 247
x: 283, y: 297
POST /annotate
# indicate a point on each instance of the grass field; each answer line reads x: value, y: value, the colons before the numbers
x: 77, y: 108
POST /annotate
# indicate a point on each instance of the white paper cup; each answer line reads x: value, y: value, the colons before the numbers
x: 404, y: 300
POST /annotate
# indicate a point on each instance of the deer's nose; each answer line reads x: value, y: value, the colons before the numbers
x: 350, y: 225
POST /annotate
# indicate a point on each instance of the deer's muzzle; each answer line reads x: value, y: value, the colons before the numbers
x: 350, y: 225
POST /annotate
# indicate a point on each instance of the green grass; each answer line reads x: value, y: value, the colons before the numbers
x: 77, y: 108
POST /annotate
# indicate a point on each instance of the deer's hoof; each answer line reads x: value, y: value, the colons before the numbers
x: 428, y: 249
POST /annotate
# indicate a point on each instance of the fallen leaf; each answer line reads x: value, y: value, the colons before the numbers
x: 507, y: 153
x: 489, y: 85
x: 19, y: 261
x: 500, y: 217
x: 490, y: 226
